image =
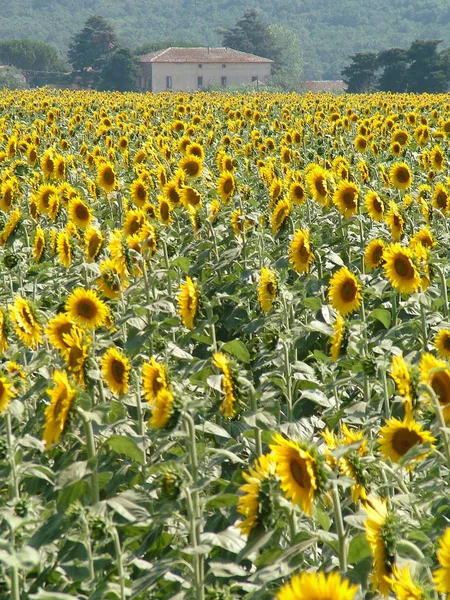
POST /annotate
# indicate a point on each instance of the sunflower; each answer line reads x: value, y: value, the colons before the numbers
x: 154, y: 379
x: 172, y: 193
x: 251, y: 504
x: 424, y: 237
x: 38, y: 244
x: 442, y: 343
x: 64, y: 249
x: 346, y: 198
x: 360, y: 143
x: 317, y: 181
x: 441, y: 576
x: 227, y: 408
x: 86, y: 307
x: 280, y: 213
x: 226, y: 187
x: 119, y: 253
x: 5, y: 394
x: 3, y: 331
x: 401, y: 176
x: 7, y: 193
x: 162, y: 409
x: 192, y: 166
x: 191, y: 197
x: 93, y: 240
x: 26, y: 324
x: 43, y: 196
x: 403, y: 586
x: 345, y: 292
x: 436, y: 374
x: 213, y: 212
x: 381, y: 536
x: 395, y: 221
x: 106, y: 176
x: 297, y: 470
x: 398, y: 437
x: 110, y: 283
x: 32, y: 155
x: 139, y: 192
x: 300, y: 253
x: 400, y: 269
x: 317, y: 586
x: 188, y: 303
x: 60, y: 168
x: 337, y: 338
x: 144, y: 242
x: 76, y: 353
x: 194, y: 149
x: 267, y: 288
x: 10, y: 226
x: 400, y: 373
x: 437, y: 158
x: 116, y: 371
x: 57, y: 412
x: 48, y: 164
x: 57, y: 328
x: 441, y: 198
x: 79, y: 212
x: 134, y: 221
x: 373, y: 255
x: 297, y: 193
x: 400, y: 136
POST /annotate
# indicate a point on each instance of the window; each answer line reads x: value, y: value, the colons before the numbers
x: 169, y: 82
x: 224, y: 81
x: 254, y: 77
x: 224, y: 66
x: 200, y: 66
x: 200, y: 82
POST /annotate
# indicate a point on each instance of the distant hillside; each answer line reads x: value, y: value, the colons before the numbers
x: 331, y: 30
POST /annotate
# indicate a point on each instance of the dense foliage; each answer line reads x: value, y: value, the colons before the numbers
x: 224, y: 346
x: 330, y: 30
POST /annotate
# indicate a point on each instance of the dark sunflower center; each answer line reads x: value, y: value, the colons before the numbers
x: 228, y: 186
x: 438, y: 158
x: 441, y: 200
x: 108, y: 176
x: 74, y: 356
x: 64, y: 329
x: 134, y: 226
x: 192, y: 168
x: 94, y: 244
x: 440, y: 383
x: 61, y: 168
x: 348, y: 291
x: 403, y: 175
x: 46, y: 198
x: 164, y: 211
x: 404, y: 268
x: 49, y: 165
x: 297, y: 473
x: 7, y: 197
x: 446, y: 342
x: 174, y: 196
x: 401, y: 138
x: 303, y: 253
x: 271, y: 289
x: 140, y: 192
x: 33, y: 155
x: 87, y: 309
x: 298, y: 192
x: 82, y: 212
x: 377, y: 205
x: 321, y: 186
x: 118, y: 370
x: 349, y: 199
x: 403, y: 440
x: 28, y: 318
x: 377, y: 254
x: 397, y: 221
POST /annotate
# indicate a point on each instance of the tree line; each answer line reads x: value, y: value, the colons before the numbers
x: 96, y: 59
x: 419, y: 69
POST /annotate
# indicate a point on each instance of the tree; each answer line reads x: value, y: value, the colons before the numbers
x: 120, y: 71
x: 30, y: 55
x: 251, y: 34
x: 154, y: 46
x: 12, y: 79
x: 360, y: 75
x: 427, y: 71
x: 92, y: 44
x: 394, y: 63
x: 289, y: 73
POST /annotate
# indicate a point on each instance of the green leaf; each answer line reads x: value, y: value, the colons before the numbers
x: 229, y: 540
x: 126, y: 445
x: 219, y: 569
x: 359, y: 549
x: 238, y: 349
x: 213, y: 429
x: 72, y: 474
x: 183, y: 263
x: 222, y: 500
x: 383, y: 315
x: 49, y: 531
x: 42, y: 595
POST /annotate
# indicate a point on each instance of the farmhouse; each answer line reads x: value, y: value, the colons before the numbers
x: 188, y: 69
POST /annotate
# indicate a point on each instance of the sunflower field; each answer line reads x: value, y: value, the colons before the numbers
x: 225, y: 346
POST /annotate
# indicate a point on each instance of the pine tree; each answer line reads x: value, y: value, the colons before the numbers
x: 394, y: 63
x: 120, y: 71
x: 92, y: 44
x: 360, y: 74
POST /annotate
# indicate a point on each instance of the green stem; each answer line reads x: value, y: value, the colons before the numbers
x: 256, y: 429
x: 216, y: 249
x: 424, y: 326
x: 119, y: 559
x: 89, y: 549
x: 212, y: 327
x: 444, y: 289
x: 387, y: 408
x: 292, y: 526
x: 339, y: 528
x: 287, y: 372
x: 92, y: 456
x: 441, y: 421
x: 14, y: 495
x: 244, y: 240
x: 394, y: 308
x: 167, y: 265
x: 361, y: 240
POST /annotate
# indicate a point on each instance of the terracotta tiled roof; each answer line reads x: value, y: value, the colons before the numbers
x: 326, y: 86
x: 201, y: 55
